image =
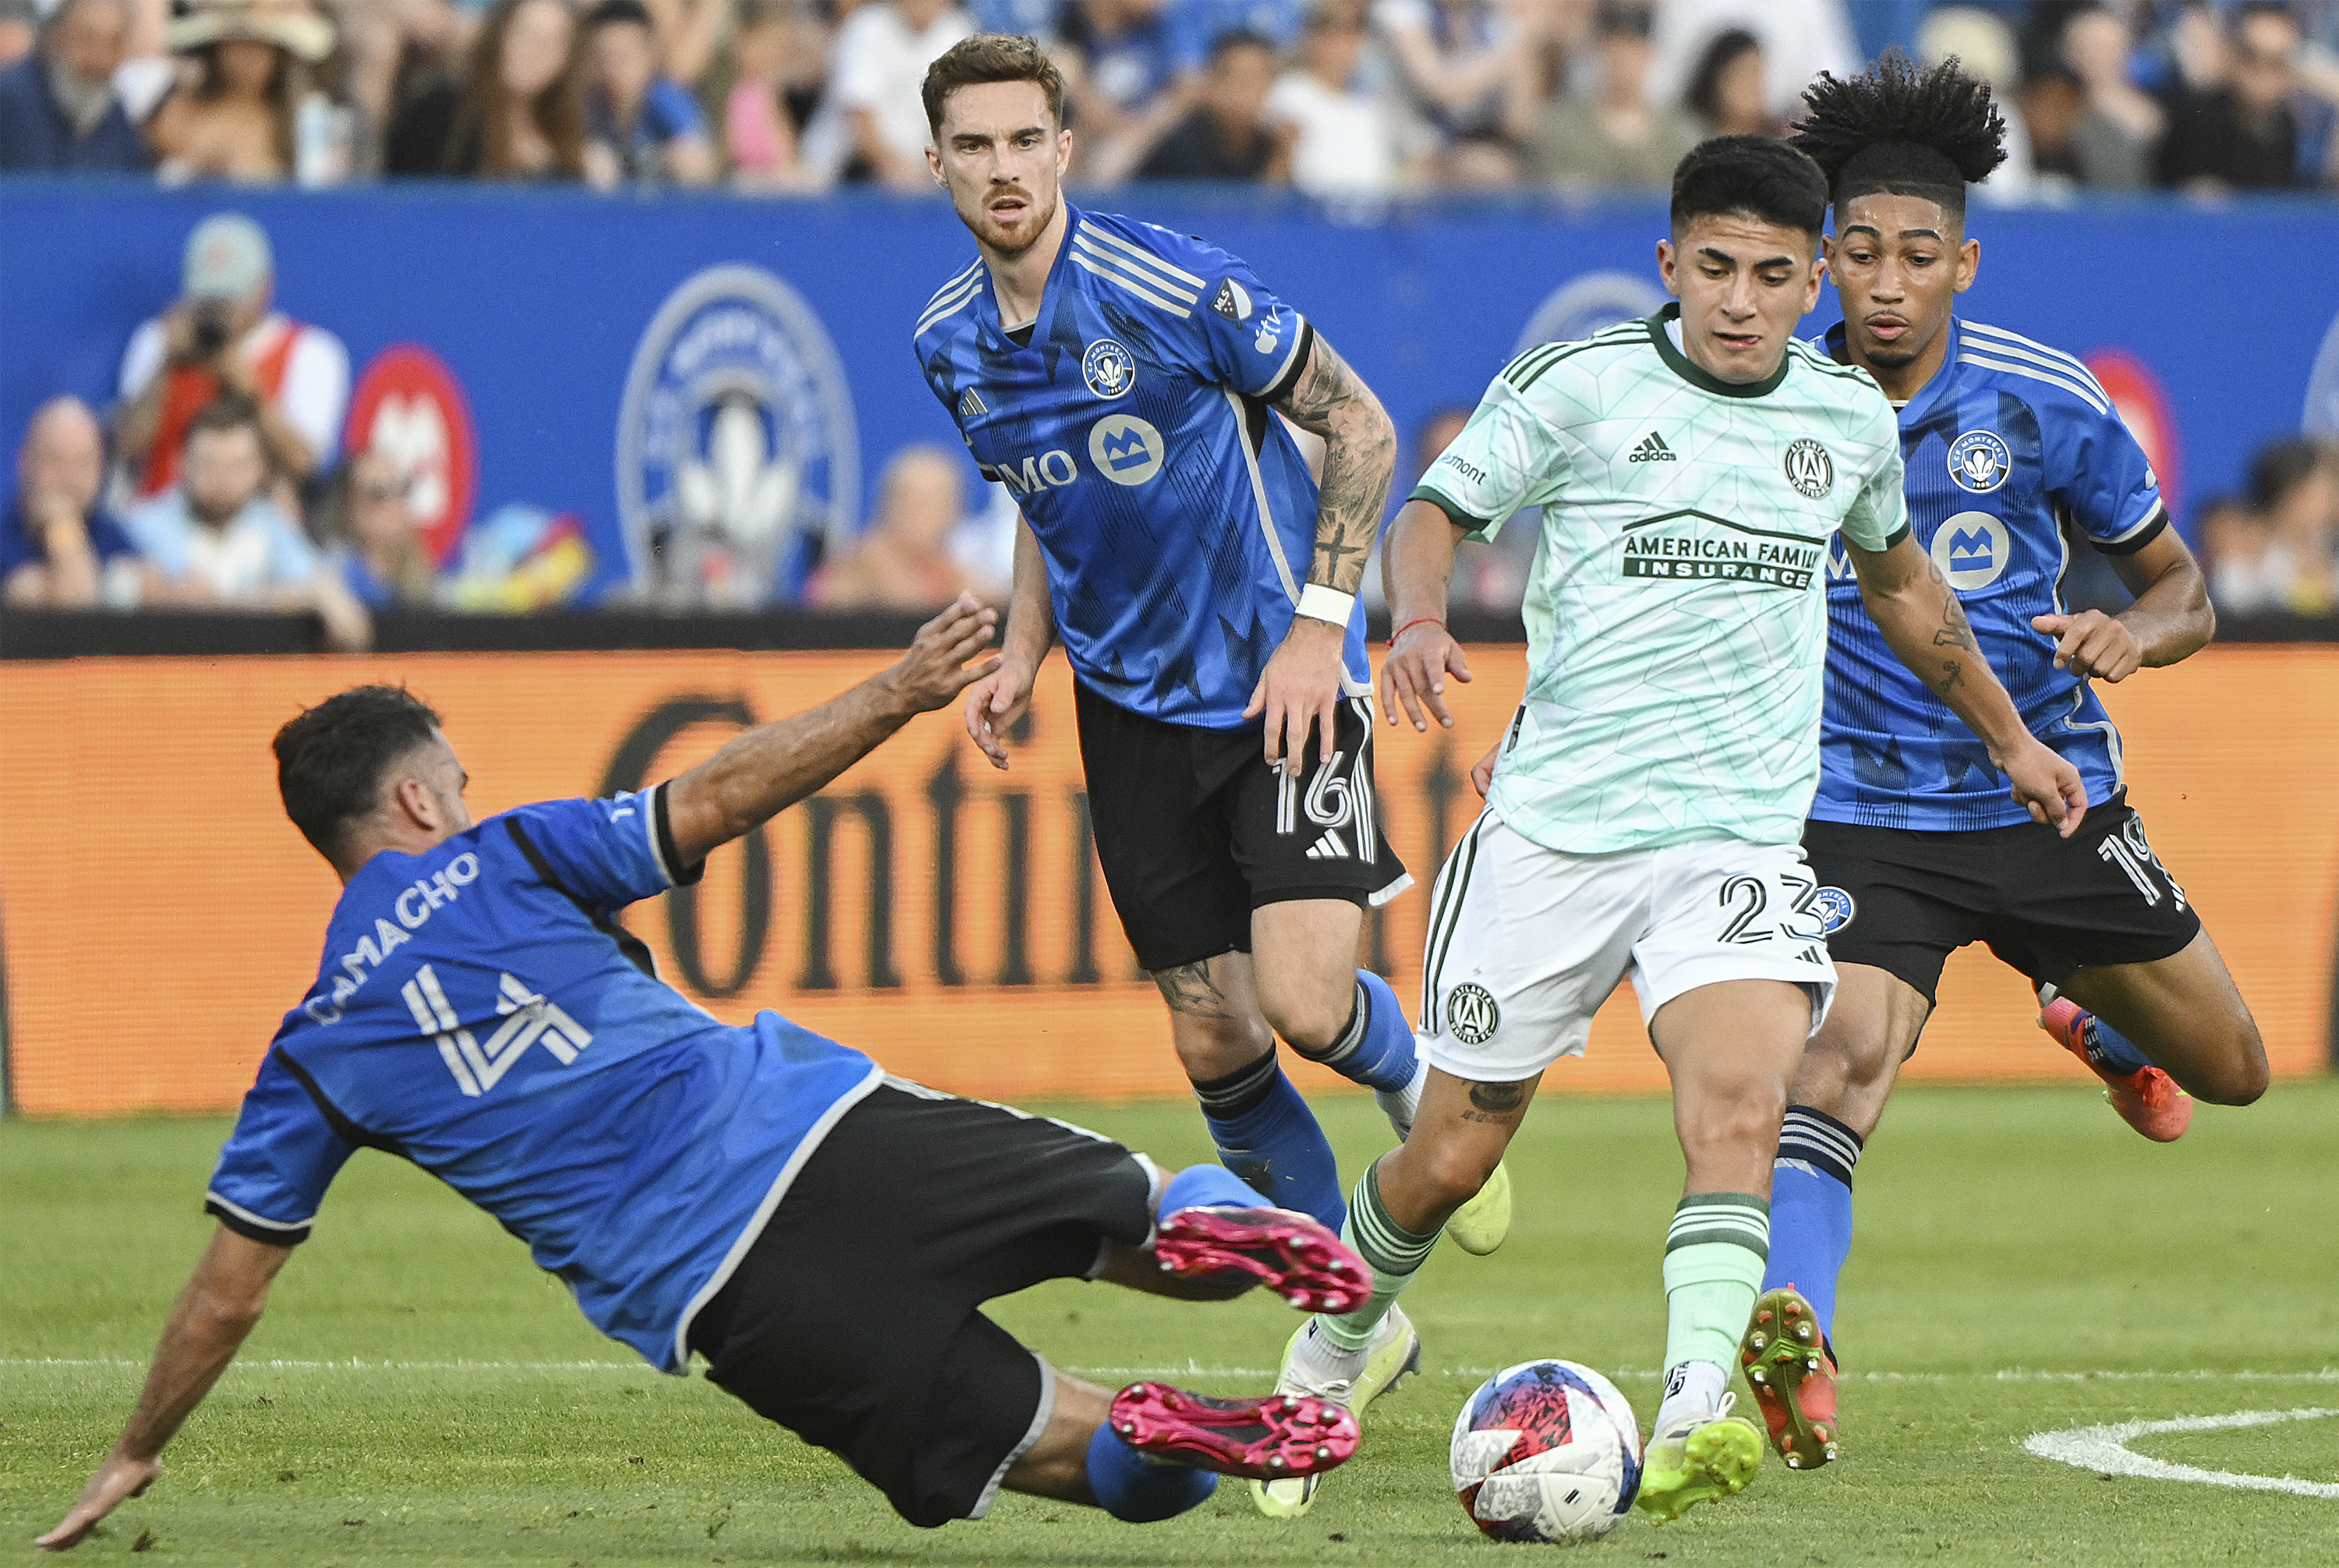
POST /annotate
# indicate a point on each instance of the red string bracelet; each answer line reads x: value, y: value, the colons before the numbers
x: 1417, y: 621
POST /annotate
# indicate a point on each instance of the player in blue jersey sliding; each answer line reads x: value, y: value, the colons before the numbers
x: 824, y: 1235
x: 2013, y: 454
x: 1124, y: 383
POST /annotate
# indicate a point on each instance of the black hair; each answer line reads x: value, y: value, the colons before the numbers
x: 1751, y: 176
x: 330, y: 760
x: 1902, y: 131
x: 1703, y: 94
x: 1235, y: 38
x: 228, y: 411
x: 2280, y: 468
x: 619, y: 13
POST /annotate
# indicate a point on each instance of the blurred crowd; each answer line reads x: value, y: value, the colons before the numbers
x: 1340, y: 98
x: 2274, y: 547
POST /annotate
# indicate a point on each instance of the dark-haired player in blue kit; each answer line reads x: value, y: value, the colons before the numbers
x: 1124, y: 383
x: 2013, y: 455
x: 824, y: 1235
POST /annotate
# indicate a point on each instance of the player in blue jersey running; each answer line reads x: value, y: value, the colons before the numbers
x: 2013, y: 454
x: 824, y: 1235
x: 1124, y: 383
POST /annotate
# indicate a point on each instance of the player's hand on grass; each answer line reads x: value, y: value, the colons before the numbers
x: 2092, y: 644
x: 119, y: 1478
x: 2045, y: 785
x: 1482, y: 772
x: 1301, y: 688
x: 935, y: 669
x: 1420, y: 659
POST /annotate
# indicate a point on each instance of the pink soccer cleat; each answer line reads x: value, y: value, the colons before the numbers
x: 1282, y: 1434
x: 1291, y: 1254
x: 2147, y: 1098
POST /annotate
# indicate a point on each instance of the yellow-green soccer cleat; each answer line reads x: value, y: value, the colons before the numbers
x: 1484, y: 1223
x: 1698, y: 1458
x: 1394, y: 1355
x: 1792, y: 1370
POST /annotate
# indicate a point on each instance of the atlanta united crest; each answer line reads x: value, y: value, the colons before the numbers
x: 1109, y: 368
x: 1979, y: 462
x: 1471, y: 1015
x: 1810, y: 469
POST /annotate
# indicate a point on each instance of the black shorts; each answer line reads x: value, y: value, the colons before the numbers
x: 1195, y: 831
x: 1903, y: 900
x: 853, y: 1320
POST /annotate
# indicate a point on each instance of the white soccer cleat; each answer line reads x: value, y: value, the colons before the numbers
x: 1317, y: 1369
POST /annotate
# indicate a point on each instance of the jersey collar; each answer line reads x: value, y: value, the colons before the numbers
x: 1931, y: 392
x: 986, y: 298
x: 1689, y: 371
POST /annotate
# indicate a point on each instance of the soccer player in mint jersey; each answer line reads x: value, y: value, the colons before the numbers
x: 1124, y: 383
x: 2014, y: 457
x: 824, y: 1235
x: 1647, y: 804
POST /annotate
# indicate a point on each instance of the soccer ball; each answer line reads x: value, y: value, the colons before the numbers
x: 1546, y: 1451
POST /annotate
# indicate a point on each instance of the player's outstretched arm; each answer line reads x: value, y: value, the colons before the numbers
x: 223, y: 1300
x: 1926, y: 627
x: 774, y: 765
x: 1417, y: 569
x: 1301, y: 687
x: 997, y: 701
x: 2171, y: 620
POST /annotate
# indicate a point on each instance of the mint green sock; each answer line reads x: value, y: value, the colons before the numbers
x: 1395, y: 1253
x: 1714, y: 1258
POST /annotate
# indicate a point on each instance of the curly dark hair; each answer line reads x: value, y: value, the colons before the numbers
x: 330, y: 759
x: 1903, y: 129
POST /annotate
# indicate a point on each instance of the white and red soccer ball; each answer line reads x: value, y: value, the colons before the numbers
x: 1546, y: 1451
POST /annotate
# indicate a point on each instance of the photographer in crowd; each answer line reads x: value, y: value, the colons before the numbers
x: 223, y: 339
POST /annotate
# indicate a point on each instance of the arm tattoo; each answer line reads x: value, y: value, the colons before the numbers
x: 1189, y: 988
x: 1956, y: 632
x: 1360, y: 454
x: 1501, y: 1103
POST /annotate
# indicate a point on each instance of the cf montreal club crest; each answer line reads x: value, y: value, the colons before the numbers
x: 1125, y: 449
x: 1810, y: 469
x: 736, y: 439
x: 1471, y: 1015
x: 1835, y: 909
x: 1979, y: 462
x: 1972, y: 549
x: 1109, y: 368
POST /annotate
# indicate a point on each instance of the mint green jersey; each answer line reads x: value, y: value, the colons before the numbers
x: 1676, y: 611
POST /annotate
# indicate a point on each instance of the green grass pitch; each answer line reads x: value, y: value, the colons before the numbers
x: 418, y: 1394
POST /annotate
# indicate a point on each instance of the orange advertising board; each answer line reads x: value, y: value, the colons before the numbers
x: 160, y: 913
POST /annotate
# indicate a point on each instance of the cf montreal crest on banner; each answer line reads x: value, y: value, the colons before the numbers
x: 736, y: 440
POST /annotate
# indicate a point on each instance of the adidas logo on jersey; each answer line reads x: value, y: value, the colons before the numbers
x: 1652, y: 449
x: 971, y: 404
x: 1331, y: 846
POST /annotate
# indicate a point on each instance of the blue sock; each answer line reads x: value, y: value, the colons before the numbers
x: 1267, y: 1135
x: 1129, y: 1485
x: 1205, y: 1186
x: 1811, y: 1208
x: 1376, y: 1048
x: 2108, y: 1048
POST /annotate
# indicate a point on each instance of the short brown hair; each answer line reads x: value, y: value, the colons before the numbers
x: 992, y: 57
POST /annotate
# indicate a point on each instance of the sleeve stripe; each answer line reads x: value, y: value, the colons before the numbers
x: 1453, y: 510
x: 296, y: 1228
x: 1894, y: 539
x: 661, y: 833
x: 2137, y: 537
x: 1080, y: 259
x: 1287, y: 377
x: 1160, y: 264
x: 2051, y: 377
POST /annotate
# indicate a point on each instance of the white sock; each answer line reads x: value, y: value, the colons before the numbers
x: 1319, y: 1361
x: 1691, y: 1388
x: 1402, y: 1105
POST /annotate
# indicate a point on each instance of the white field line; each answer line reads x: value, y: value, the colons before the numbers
x: 2105, y: 1449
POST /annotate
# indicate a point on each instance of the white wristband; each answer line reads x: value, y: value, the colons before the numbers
x: 1318, y: 603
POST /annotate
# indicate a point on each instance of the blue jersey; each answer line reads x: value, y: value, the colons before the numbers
x: 1176, y: 516
x: 2012, y: 451
x: 480, y: 1012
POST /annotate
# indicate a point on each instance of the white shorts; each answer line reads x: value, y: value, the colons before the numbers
x: 1526, y: 942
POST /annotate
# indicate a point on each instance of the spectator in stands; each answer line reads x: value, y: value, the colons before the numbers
x: 20, y: 30
x: 2124, y: 125
x: 2243, y: 135
x: 1615, y: 139
x: 58, y: 110
x: 1794, y: 40
x: 1228, y: 136
x: 518, y: 114
x: 1123, y: 81
x: 2294, y: 492
x: 687, y: 34
x: 222, y: 338
x: 392, y: 52
x: 1725, y: 91
x: 59, y: 549
x: 1469, y: 66
x: 647, y: 125
x: 1197, y: 24
x: 2236, y: 548
x: 1344, y: 135
x: 879, y: 65
x: 234, y: 116
x: 216, y: 539
x: 1986, y: 46
x: 903, y: 559
x: 2054, y: 114
x: 370, y: 534
x: 779, y: 61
